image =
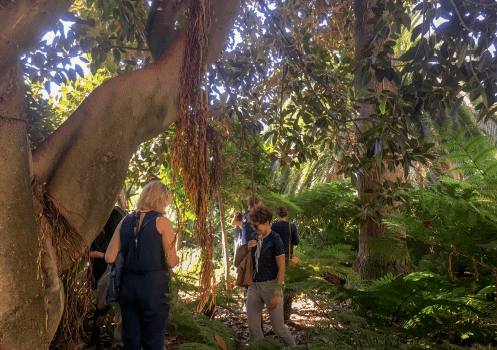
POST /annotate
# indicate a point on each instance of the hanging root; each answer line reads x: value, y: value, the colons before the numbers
x: 76, y: 276
x: 451, y: 275
x: 67, y: 242
x: 196, y: 146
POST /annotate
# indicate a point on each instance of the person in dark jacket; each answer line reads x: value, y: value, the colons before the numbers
x: 289, y: 235
x: 143, y: 299
x: 283, y: 228
x: 268, y: 261
x: 247, y: 231
x: 237, y: 232
x: 101, y: 271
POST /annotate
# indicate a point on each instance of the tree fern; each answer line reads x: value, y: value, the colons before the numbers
x: 475, y: 157
x: 311, y: 173
x: 295, y: 179
x: 326, y: 213
x: 451, y: 216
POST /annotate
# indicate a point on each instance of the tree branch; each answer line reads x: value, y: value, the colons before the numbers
x: 295, y: 53
x: 84, y: 162
x: 239, y: 114
x: 460, y: 18
x: 297, y: 56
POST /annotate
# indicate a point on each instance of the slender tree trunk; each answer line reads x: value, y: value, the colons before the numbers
x: 226, y: 255
x: 371, y: 263
x: 122, y: 199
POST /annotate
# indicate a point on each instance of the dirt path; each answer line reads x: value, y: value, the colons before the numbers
x: 304, y: 319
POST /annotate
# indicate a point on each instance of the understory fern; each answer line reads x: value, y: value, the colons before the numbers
x: 393, y: 313
x: 396, y: 314
x: 195, y: 346
x: 388, y: 278
x: 199, y: 328
x: 205, y: 332
x: 452, y: 216
x: 266, y: 343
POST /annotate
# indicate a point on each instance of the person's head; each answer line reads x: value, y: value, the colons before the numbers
x: 253, y: 202
x: 260, y: 219
x: 237, y: 219
x: 155, y: 196
x: 281, y: 212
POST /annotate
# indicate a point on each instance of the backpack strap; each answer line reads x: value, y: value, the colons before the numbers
x: 136, y: 238
x: 136, y: 219
x: 137, y: 230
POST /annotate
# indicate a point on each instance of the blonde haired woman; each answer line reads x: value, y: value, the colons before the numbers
x: 148, y: 238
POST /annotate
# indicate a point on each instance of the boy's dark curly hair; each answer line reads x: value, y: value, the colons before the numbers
x: 260, y: 215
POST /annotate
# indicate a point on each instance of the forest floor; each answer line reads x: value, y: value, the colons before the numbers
x: 305, y: 317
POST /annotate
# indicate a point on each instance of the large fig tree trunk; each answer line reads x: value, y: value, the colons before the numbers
x: 22, y: 301
x: 81, y: 166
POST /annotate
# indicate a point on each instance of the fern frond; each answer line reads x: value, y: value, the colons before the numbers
x: 490, y: 170
x: 211, y: 328
x: 266, y: 343
x: 482, y: 156
x: 474, y: 144
x: 475, y: 156
x: 194, y: 346
x: 380, y: 282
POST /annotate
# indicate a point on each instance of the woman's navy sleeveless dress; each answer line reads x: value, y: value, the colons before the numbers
x: 144, y: 301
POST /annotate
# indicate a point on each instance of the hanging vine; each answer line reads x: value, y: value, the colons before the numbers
x: 196, y: 146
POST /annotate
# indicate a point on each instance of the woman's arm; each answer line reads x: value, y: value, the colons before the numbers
x: 273, y: 302
x: 114, y: 245
x: 96, y: 254
x: 236, y: 222
x: 165, y: 228
x: 280, y: 261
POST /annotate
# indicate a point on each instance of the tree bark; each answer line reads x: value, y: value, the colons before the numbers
x: 22, y: 302
x: 226, y: 255
x: 82, y: 165
x: 372, y: 264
